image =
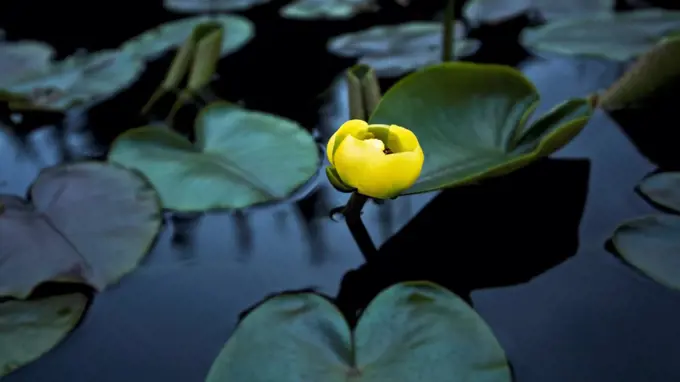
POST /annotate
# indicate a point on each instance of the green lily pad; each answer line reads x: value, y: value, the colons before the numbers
x: 79, y: 79
x: 205, y: 6
x: 652, y: 245
x: 497, y: 11
x: 470, y: 120
x: 240, y: 158
x: 413, y: 331
x: 86, y: 222
x: 649, y: 77
x: 327, y: 9
x: 151, y: 44
x: 394, y: 50
x: 29, y: 329
x: 615, y: 36
x: 663, y: 189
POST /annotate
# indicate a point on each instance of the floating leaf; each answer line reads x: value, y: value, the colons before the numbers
x: 327, y: 9
x: 206, y: 6
x: 663, y: 189
x: 87, y: 222
x: 497, y: 11
x: 394, y: 50
x: 652, y: 245
x: 647, y: 78
x: 240, y: 158
x: 470, y: 120
x: 413, y: 331
x: 18, y: 59
x: 81, y: 78
x: 153, y: 43
x: 615, y: 36
x: 29, y: 329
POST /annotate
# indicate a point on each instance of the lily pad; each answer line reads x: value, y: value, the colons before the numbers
x: 652, y: 245
x: 413, y: 331
x: 394, y: 50
x: 614, y: 36
x: 471, y: 121
x: 663, y: 189
x: 240, y: 158
x: 86, y: 222
x: 18, y: 59
x: 327, y: 9
x: 29, y: 329
x: 81, y: 78
x: 648, y: 78
x: 497, y: 11
x: 153, y: 43
x: 201, y: 6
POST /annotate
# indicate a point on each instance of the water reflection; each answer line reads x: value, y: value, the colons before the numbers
x: 500, y: 232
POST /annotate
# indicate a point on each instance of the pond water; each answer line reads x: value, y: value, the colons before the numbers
x: 586, y: 317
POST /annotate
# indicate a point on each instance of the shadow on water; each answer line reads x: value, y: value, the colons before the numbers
x: 533, y: 216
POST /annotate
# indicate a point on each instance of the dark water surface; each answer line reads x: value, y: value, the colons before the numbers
x: 589, y: 318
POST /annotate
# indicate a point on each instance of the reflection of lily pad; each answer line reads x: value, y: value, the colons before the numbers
x: 652, y: 245
x: 497, y: 11
x: 200, y: 6
x: 410, y: 332
x: 470, y: 120
x: 615, y: 36
x: 327, y: 9
x: 87, y: 222
x: 240, y: 158
x: 654, y: 72
x: 153, y: 43
x: 80, y: 78
x: 29, y: 329
x: 663, y: 189
x: 394, y: 50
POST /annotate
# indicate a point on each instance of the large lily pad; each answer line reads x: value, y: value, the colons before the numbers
x: 201, y: 6
x: 663, y: 189
x: 497, y: 11
x: 86, y: 222
x: 652, y: 245
x: 81, y: 78
x: 29, y: 329
x: 327, y: 9
x: 615, y: 36
x: 394, y: 50
x: 153, y: 43
x: 652, y: 74
x: 470, y: 120
x: 240, y: 158
x: 410, y: 332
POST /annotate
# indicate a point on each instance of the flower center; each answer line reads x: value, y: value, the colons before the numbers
x: 378, y: 144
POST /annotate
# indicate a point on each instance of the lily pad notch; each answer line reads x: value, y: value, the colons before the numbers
x: 472, y: 121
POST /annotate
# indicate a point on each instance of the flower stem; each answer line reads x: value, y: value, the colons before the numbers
x: 352, y: 214
x: 449, y: 34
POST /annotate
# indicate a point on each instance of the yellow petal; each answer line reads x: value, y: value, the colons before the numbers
x: 401, y: 139
x: 352, y: 127
x: 374, y: 174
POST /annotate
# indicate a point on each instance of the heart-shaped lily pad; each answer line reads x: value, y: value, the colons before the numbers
x: 29, y: 329
x: 652, y: 245
x: 414, y: 331
x: 327, y: 9
x: 394, y: 50
x: 153, y: 43
x: 86, y: 222
x: 663, y: 189
x: 470, y: 120
x: 497, y: 11
x: 200, y: 6
x: 615, y: 36
x: 240, y: 158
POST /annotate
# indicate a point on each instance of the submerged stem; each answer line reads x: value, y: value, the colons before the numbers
x: 449, y: 34
x: 352, y: 213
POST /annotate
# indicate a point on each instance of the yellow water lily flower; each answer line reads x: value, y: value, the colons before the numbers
x: 379, y: 161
